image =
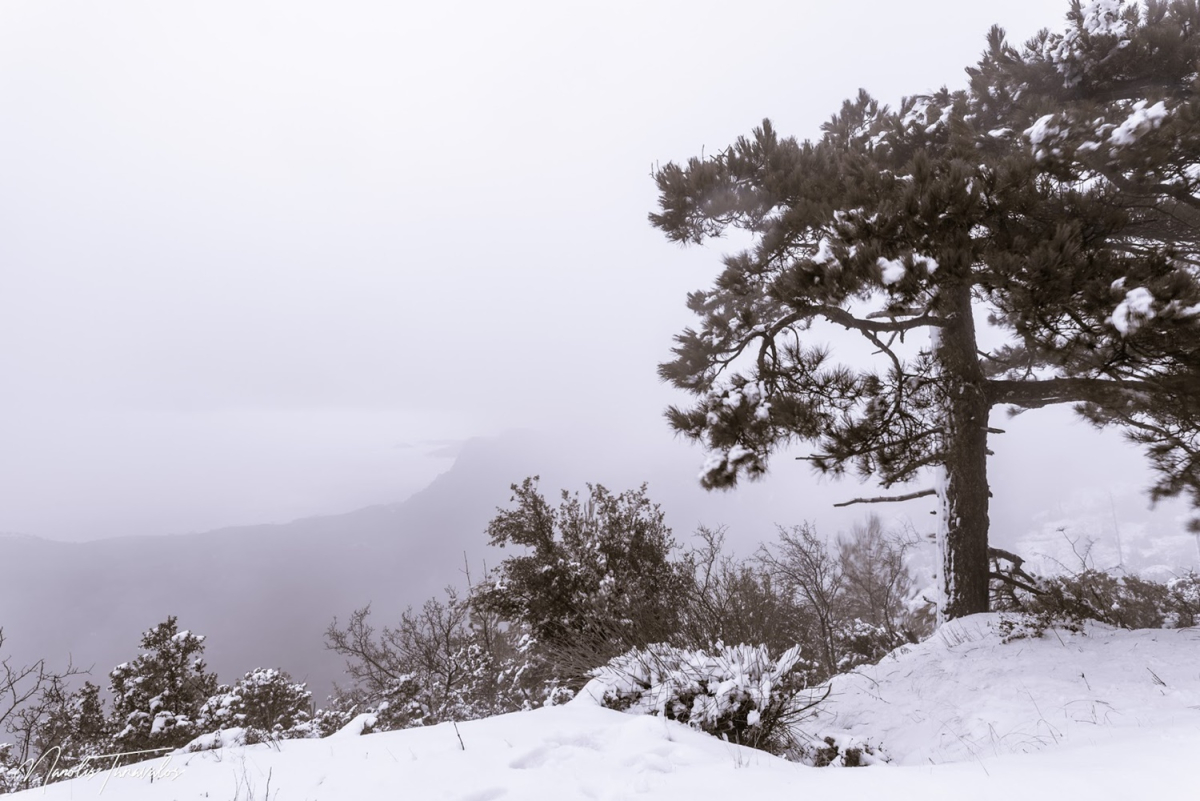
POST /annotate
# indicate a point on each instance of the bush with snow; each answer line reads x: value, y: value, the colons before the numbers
x: 739, y: 693
x: 328, y: 721
x: 265, y: 703
x: 12, y: 778
x: 859, y: 642
x: 1128, y: 602
x: 838, y: 751
x: 447, y: 661
x: 593, y: 577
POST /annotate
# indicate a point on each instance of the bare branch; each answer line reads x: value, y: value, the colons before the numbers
x: 894, y: 313
x: 890, y: 499
x: 1047, y: 392
x: 844, y: 318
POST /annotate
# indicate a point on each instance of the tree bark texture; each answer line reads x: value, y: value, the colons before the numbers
x: 963, y: 529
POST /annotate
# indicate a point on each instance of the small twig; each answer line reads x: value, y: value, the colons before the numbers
x: 460, y: 742
x: 890, y: 499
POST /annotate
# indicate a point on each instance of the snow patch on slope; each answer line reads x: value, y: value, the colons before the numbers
x: 964, y: 694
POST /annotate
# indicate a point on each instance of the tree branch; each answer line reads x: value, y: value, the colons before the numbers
x: 1046, y: 392
x: 890, y: 499
x: 844, y: 318
x: 894, y: 313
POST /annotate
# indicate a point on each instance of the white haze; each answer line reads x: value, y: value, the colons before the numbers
x: 267, y: 260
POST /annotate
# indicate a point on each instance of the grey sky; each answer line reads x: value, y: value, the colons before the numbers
x: 249, y: 251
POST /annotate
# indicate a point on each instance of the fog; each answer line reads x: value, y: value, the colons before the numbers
x: 262, y: 261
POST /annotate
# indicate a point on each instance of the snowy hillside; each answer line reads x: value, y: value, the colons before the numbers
x: 1105, y: 714
x: 964, y: 694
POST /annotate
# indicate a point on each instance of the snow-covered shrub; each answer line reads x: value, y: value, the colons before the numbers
x: 1128, y: 602
x: 1034, y: 625
x: 266, y: 703
x: 1183, y: 601
x: 219, y: 738
x: 446, y: 661
x: 37, y: 714
x: 325, y: 722
x: 862, y: 643
x: 737, y: 692
x: 12, y: 778
x: 837, y: 751
x: 593, y: 576
x: 399, y: 707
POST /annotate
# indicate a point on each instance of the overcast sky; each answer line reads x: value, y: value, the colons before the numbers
x: 267, y: 260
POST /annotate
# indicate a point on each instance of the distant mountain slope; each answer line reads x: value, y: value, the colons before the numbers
x: 263, y: 595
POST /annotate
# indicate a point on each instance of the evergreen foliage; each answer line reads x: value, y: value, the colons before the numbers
x: 596, y: 574
x: 1058, y: 197
x: 157, y: 697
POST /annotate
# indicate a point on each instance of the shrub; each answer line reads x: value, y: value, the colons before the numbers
x: 62, y: 730
x: 738, y: 693
x: 862, y: 643
x: 852, y: 597
x: 447, y: 661
x: 1128, y: 602
x: 265, y: 702
x: 1033, y: 625
x: 36, y: 714
x: 328, y: 721
x: 736, y: 600
x: 596, y: 572
x: 840, y: 752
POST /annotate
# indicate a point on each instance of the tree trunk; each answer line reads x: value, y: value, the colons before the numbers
x: 963, y: 528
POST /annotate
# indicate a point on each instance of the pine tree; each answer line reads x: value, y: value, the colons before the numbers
x: 158, y: 696
x: 1056, y: 198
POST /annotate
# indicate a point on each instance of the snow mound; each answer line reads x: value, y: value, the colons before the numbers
x: 964, y: 694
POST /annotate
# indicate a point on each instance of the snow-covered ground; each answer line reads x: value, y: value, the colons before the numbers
x: 1103, y: 714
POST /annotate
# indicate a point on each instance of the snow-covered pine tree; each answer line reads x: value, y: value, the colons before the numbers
x: 157, y: 697
x: 1057, y: 198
